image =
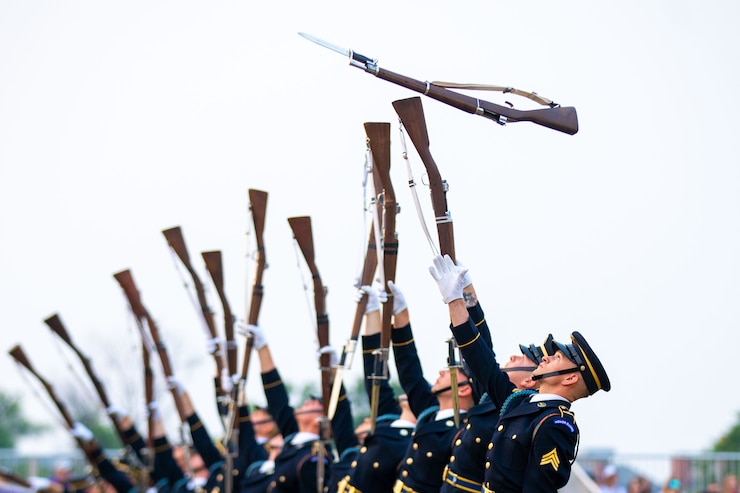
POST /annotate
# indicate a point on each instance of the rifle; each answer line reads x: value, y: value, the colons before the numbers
x: 348, y: 351
x: 258, y: 207
x: 411, y: 114
x: 303, y: 234
x: 126, y: 281
x: 55, y: 324
x: 176, y: 241
x: 214, y: 265
x: 562, y: 119
x: 17, y: 353
x: 379, y: 140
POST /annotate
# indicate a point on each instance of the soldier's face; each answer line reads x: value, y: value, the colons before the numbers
x: 517, y: 377
x: 556, y: 362
x: 443, y: 380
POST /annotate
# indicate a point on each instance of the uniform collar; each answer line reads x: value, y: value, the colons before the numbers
x: 547, y: 397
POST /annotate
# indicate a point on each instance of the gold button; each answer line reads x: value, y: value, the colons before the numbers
x: 376, y: 465
x: 513, y: 437
x: 500, y: 427
x: 450, y: 423
x: 452, y: 458
x: 281, y: 479
x: 429, y: 454
x: 468, y: 426
x: 490, y: 446
x: 354, y: 463
x: 404, y: 432
x: 219, y: 477
x: 416, y: 446
x: 363, y: 450
x: 458, y: 441
x: 405, y: 473
x: 488, y: 465
x: 410, y: 460
x: 477, y: 439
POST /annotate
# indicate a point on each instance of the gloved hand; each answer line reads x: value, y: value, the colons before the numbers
x: 373, y: 301
x: 449, y: 277
x: 152, y: 410
x: 467, y: 280
x: 82, y: 432
x: 333, y: 356
x: 226, y: 382
x: 259, y: 340
x: 212, y: 345
x: 174, y: 384
x: 399, y: 301
x: 115, y: 412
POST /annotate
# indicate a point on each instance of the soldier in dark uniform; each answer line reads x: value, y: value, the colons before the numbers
x: 466, y: 468
x: 536, y: 438
x: 426, y: 457
x: 304, y: 453
x: 375, y: 464
x: 115, y: 477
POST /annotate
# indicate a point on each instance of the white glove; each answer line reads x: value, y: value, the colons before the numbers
x: 82, y: 432
x: 152, y: 410
x: 467, y: 280
x: 333, y: 356
x: 174, y: 384
x: 226, y: 383
x: 373, y: 301
x: 115, y: 412
x: 399, y: 301
x: 212, y: 345
x: 449, y: 278
x: 258, y: 337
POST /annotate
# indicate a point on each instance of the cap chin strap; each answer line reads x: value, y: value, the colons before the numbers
x: 519, y: 368
x: 439, y: 391
x: 555, y: 373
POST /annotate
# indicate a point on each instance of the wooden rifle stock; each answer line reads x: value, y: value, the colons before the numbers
x: 214, y: 265
x: 562, y: 119
x: 303, y: 234
x: 258, y: 208
x: 18, y: 354
x: 126, y: 281
x: 411, y: 113
x: 55, y: 324
x: 176, y: 240
x: 12, y: 477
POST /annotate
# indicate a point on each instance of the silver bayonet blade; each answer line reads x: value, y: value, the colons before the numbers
x: 343, y: 51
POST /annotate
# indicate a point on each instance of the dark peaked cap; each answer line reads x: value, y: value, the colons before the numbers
x: 588, y: 363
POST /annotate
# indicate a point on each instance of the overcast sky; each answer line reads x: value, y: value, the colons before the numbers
x: 119, y: 120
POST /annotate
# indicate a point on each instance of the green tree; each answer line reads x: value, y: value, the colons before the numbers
x: 13, y: 425
x: 730, y: 441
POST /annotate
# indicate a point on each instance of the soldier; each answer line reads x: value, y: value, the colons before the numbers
x: 113, y: 476
x: 536, y: 439
x: 376, y: 462
x: 303, y: 454
x: 466, y: 467
x: 434, y: 406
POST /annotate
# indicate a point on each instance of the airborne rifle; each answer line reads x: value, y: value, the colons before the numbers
x: 562, y: 119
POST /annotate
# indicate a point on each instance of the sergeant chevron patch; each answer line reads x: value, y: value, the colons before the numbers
x: 551, y: 458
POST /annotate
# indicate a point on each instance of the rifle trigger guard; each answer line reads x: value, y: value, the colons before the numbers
x: 478, y: 109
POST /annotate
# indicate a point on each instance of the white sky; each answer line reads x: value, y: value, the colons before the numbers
x: 119, y: 120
